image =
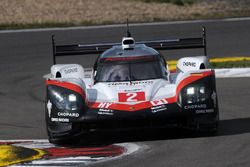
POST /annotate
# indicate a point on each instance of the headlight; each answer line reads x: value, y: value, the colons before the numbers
x: 72, y: 102
x: 195, y: 94
x: 72, y: 98
x: 190, y: 91
x: 202, y: 90
x: 201, y: 94
x: 57, y: 95
x: 64, y: 99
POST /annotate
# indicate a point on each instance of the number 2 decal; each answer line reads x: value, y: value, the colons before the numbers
x: 131, y: 97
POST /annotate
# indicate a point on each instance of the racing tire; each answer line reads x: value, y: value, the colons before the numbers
x: 63, y: 141
x: 54, y: 138
x: 210, y: 129
x: 71, y: 137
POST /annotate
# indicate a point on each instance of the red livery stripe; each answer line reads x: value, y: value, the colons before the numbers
x: 194, y: 77
x: 67, y: 85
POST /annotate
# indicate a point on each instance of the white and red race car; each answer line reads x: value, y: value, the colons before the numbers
x: 130, y: 86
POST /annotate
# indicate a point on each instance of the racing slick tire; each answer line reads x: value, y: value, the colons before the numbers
x: 62, y: 133
x: 211, y: 128
x: 70, y: 137
x: 208, y: 129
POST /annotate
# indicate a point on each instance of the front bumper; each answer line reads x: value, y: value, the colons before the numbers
x: 102, y: 119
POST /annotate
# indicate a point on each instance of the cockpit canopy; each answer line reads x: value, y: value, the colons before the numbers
x: 122, y: 69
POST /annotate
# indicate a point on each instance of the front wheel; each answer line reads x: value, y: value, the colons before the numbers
x: 212, y: 127
x: 204, y: 123
x: 63, y: 141
x: 63, y: 133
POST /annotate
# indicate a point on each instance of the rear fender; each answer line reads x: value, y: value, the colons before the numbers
x: 187, y: 64
x: 67, y: 71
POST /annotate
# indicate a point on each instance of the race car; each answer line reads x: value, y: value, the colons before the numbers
x: 130, y: 86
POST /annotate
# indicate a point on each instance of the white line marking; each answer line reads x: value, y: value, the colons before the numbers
x: 130, y: 148
x: 232, y: 72
x: 39, y: 144
x: 124, y: 25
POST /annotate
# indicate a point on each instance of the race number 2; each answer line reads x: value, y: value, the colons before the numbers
x: 131, y: 97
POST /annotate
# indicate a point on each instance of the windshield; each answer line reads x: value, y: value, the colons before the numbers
x: 129, y: 71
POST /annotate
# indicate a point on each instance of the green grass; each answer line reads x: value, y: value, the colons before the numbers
x: 176, y: 2
x: 235, y: 64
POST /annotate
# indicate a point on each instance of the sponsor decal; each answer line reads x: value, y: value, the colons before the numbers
x: 189, y: 64
x: 103, y: 111
x: 133, y: 90
x: 142, y: 82
x: 118, y: 83
x: 49, y: 107
x: 204, y: 111
x: 131, y: 97
x: 67, y: 114
x: 104, y: 105
x: 159, y: 102
x: 59, y: 119
x: 158, y: 108
x: 195, y: 106
x: 70, y: 70
x: 148, y: 82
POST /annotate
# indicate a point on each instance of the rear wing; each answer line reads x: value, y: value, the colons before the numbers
x: 166, y: 44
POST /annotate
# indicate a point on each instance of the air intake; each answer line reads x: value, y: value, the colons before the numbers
x: 128, y: 43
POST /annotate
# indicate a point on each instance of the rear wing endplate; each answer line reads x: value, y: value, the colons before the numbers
x: 168, y: 44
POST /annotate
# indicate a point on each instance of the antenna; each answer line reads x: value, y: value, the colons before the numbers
x: 128, y: 34
x: 54, y: 49
x: 204, y: 40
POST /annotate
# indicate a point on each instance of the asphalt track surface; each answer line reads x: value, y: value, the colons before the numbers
x: 26, y: 56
